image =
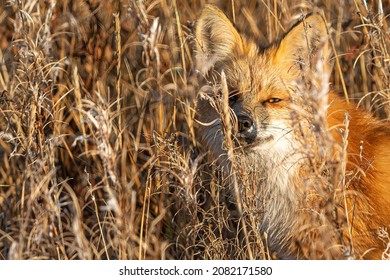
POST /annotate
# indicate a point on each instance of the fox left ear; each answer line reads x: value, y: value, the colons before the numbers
x: 304, y: 47
x: 217, y: 40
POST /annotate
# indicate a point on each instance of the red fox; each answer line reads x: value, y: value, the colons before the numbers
x: 266, y: 95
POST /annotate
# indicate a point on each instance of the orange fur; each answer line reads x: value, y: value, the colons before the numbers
x: 368, y: 150
x: 264, y: 86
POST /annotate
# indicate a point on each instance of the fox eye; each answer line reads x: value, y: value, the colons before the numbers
x: 234, y: 96
x: 274, y: 100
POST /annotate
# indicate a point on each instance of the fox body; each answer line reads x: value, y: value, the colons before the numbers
x: 265, y: 88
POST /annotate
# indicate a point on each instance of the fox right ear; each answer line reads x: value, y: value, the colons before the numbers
x: 216, y: 38
x: 304, y: 46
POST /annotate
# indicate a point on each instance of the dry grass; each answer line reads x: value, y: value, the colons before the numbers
x: 98, y: 147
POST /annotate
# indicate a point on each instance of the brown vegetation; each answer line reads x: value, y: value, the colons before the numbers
x: 98, y: 138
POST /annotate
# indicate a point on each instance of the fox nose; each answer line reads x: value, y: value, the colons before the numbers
x: 246, y: 127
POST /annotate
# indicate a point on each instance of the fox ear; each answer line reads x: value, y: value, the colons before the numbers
x: 216, y: 38
x: 304, y: 47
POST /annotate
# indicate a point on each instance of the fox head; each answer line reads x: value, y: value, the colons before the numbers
x: 261, y: 82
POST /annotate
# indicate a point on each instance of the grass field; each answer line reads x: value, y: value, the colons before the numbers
x: 98, y: 137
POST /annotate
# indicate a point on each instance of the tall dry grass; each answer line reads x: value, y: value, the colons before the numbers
x: 98, y: 136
